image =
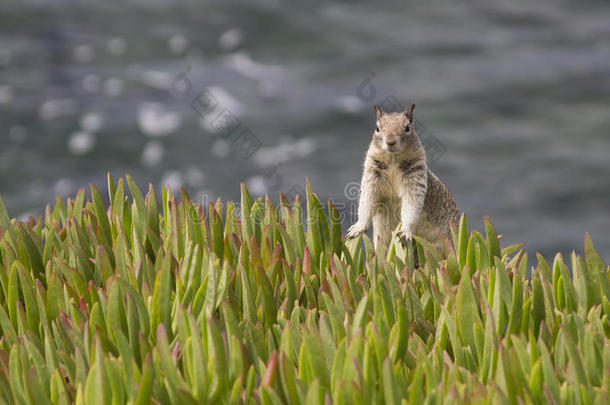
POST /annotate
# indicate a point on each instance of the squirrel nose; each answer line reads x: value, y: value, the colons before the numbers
x: 392, y: 143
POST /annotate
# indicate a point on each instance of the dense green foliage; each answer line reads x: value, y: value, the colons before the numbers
x: 184, y: 304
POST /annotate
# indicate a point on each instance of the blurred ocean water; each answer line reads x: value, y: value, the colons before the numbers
x: 207, y: 94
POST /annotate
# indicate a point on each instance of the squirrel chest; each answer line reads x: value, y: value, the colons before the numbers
x: 392, y: 177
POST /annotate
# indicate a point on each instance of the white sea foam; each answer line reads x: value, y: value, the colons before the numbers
x: 225, y: 104
x: 172, y: 179
x: 92, y: 122
x: 256, y: 185
x: 244, y: 64
x: 152, y: 154
x: 116, y: 46
x: 226, y: 100
x: 286, y: 150
x: 221, y: 148
x: 156, y: 120
x: 81, y: 142
x: 64, y: 186
x: 57, y: 107
x: 157, y: 79
x: 231, y: 39
x: 177, y: 44
x: 351, y: 104
x: 113, y: 87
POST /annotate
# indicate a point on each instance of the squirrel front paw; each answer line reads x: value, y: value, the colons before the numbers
x: 404, y: 237
x: 355, y: 230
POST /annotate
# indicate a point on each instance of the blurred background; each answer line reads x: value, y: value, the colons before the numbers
x: 512, y: 98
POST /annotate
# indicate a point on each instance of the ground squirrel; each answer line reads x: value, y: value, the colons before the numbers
x: 397, y: 186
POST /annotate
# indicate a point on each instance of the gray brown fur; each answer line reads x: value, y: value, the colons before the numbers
x: 398, y: 188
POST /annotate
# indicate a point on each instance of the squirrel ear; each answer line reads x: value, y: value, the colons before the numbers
x: 409, y: 112
x: 378, y: 110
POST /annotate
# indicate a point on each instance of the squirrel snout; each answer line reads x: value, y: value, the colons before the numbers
x: 391, y: 143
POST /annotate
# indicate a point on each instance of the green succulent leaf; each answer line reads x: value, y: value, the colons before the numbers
x: 248, y: 303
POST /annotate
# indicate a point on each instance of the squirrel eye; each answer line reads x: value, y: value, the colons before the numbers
x: 408, y: 128
x: 376, y: 128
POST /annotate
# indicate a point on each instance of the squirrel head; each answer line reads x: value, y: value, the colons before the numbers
x: 395, y: 132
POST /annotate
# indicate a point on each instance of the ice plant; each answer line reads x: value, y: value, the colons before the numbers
x: 164, y: 301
